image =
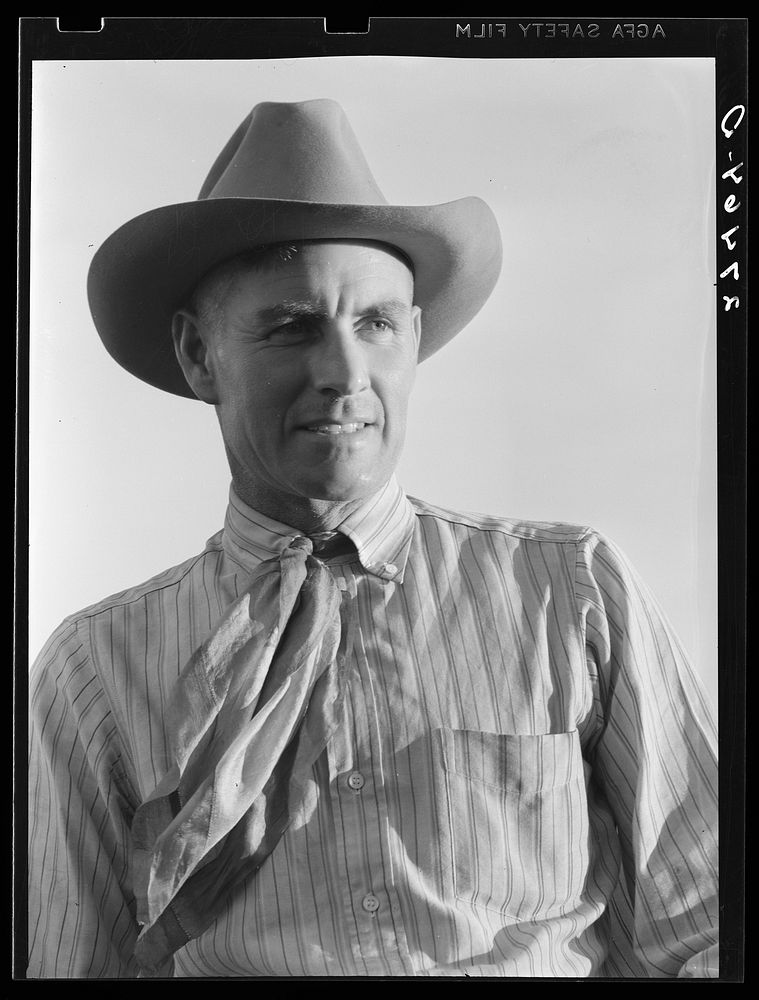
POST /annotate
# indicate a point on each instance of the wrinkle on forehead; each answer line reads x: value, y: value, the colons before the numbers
x: 320, y: 282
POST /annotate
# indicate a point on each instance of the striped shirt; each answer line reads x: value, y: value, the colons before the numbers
x: 522, y: 784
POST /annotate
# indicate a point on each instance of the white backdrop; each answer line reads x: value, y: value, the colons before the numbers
x: 584, y: 391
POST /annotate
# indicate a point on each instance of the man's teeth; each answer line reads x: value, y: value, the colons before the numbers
x: 336, y: 428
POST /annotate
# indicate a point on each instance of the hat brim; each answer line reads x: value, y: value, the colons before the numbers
x: 146, y: 270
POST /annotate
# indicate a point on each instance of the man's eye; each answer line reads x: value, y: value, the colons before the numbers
x: 378, y: 325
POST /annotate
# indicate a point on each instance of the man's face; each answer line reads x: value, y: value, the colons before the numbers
x: 312, y: 362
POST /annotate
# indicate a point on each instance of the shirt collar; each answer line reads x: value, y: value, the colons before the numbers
x: 381, y: 528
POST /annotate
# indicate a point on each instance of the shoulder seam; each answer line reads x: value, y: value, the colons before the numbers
x: 512, y: 528
x: 136, y: 594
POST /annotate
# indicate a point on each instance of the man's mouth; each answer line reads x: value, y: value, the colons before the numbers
x: 332, y: 428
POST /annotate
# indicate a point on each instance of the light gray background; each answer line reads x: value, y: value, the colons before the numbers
x: 584, y: 391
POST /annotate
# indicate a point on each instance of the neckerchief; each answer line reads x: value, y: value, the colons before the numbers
x: 253, y: 709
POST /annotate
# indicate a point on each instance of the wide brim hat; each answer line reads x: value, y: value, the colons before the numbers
x: 290, y: 172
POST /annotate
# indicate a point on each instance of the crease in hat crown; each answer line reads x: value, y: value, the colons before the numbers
x: 290, y: 172
x: 304, y: 151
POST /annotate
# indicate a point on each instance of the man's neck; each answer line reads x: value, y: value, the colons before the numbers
x: 311, y: 516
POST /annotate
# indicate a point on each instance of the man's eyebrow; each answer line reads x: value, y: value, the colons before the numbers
x: 284, y: 312
x: 391, y: 306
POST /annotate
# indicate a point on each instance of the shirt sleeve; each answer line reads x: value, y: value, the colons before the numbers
x: 653, y: 757
x: 81, y: 922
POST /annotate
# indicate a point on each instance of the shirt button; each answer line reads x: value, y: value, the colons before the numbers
x: 356, y: 781
x: 390, y: 568
x: 370, y: 903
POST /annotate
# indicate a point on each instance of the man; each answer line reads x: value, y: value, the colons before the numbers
x: 358, y: 734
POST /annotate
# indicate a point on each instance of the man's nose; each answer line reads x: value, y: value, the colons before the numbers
x: 338, y: 364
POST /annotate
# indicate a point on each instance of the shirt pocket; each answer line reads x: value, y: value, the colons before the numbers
x: 518, y: 821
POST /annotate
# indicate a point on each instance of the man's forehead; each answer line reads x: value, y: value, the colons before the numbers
x: 306, y: 270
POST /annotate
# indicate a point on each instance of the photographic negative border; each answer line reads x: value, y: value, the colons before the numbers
x: 725, y: 40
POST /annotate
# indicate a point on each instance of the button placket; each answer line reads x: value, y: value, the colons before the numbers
x: 373, y: 925
x: 346, y: 799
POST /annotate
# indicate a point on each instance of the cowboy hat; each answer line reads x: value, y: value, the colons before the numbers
x: 290, y: 172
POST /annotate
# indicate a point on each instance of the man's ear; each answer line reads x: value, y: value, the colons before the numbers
x: 193, y: 354
x: 416, y: 322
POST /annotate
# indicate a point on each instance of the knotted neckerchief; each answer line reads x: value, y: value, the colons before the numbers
x: 253, y: 709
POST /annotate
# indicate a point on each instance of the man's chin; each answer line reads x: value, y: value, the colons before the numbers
x: 342, y: 489
x: 340, y: 482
